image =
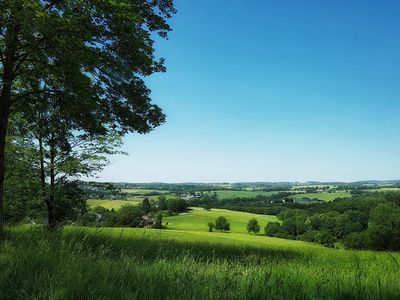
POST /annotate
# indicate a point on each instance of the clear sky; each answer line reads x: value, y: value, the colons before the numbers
x: 273, y: 91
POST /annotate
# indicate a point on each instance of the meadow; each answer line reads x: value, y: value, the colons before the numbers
x: 111, y: 204
x: 324, y: 196
x: 197, y: 219
x: 104, y: 263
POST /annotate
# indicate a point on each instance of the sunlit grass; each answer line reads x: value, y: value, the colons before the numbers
x: 103, y: 263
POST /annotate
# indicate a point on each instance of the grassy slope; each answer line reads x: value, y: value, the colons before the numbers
x: 198, y: 218
x: 323, y: 196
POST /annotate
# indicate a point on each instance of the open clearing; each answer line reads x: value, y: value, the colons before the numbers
x: 198, y: 218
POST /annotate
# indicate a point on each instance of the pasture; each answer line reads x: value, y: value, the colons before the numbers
x: 197, y: 219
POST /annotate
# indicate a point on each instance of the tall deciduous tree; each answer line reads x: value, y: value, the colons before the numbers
x: 91, y: 56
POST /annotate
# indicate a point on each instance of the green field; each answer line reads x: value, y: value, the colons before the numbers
x: 198, y: 218
x: 109, y: 204
x: 226, y: 194
x: 143, y: 191
x: 323, y: 196
x: 104, y: 263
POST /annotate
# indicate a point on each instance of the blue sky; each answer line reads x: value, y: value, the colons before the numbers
x: 273, y: 91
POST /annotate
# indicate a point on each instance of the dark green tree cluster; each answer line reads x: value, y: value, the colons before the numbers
x: 177, y: 205
x: 363, y: 222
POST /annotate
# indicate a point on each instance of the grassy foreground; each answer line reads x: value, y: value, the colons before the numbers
x: 90, y: 263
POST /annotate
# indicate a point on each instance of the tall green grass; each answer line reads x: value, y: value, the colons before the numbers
x: 80, y: 263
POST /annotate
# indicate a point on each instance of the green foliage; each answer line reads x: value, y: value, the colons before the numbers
x: 384, y: 228
x: 222, y: 224
x: 177, y: 205
x: 356, y: 240
x: 158, y: 221
x: 325, y: 238
x: 253, y: 226
x: 272, y: 228
x: 146, y: 205
x: 129, y: 215
x: 162, y: 203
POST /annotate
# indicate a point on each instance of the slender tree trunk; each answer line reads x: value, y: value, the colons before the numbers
x: 45, y: 196
x: 52, y: 219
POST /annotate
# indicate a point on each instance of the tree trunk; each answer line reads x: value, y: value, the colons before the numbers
x: 5, y: 106
x: 4, y: 113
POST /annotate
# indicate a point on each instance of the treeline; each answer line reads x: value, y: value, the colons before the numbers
x: 369, y: 221
x: 268, y: 205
